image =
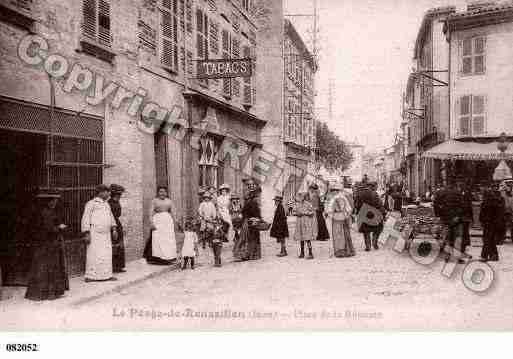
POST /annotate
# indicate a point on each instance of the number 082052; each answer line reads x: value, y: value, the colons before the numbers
x: 21, y: 347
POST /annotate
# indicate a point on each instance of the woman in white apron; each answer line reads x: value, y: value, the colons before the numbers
x: 163, y: 241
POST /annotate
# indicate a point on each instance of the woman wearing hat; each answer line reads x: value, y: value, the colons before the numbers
x: 47, y: 277
x: 339, y: 211
x: 279, y: 228
x: 223, y: 206
x: 315, y: 200
x: 118, y: 247
x: 248, y: 246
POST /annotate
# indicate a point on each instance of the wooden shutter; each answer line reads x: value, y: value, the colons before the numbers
x: 226, y: 42
x: 202, y: 39
x: 235, y: 55
x: 147, y: 37
x: 104, y: 36
x: 169, y: 35
x: 89, y: 10
x: 214, y: 37
x: 247, y: 90
x: 188, y: 16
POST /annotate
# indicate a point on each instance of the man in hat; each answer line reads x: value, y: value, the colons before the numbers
x: 223, y: 206
x: 118, y: 247
x: 448, y: 205
x: 279, y: 228
x: 99, y: 226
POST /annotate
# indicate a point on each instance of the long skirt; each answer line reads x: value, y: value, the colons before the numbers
x: 47, y: 277
x: 118, y: 251
x: 99, y: 256
x: 247, y: 244
x: 322, y: 230
x: 341, y: 237
x: 163, y: 244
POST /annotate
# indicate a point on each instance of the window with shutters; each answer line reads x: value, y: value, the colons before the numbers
x: 472, y: 56
x: 247, y: 96
x: 147, y: 37
x: 226, y: 48
x: 472, y: 115
x: 235, y: 55
x: 96, y: 31
x: 202, y: 39
x: 214, y: 37
x: 17, y: 12
x: 188, y: 16
x: 168, y: 31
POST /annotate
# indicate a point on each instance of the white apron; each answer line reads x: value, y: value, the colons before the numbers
x: 163, y: 242
x: 99, y: 256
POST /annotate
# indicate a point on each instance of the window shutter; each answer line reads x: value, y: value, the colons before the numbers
x: 214, y: 37
x: 188, y: 16
x: 89, y: 11
x: 104, y: 36
x: 227, y: 83
x: 460, y: 57
x: 147, y: 37
x: 247, y: 90
x: 169, y: 37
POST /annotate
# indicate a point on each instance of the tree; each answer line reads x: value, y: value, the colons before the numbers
x: 332, y: 152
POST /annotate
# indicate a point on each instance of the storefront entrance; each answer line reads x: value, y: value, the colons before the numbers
x: 64, y: 154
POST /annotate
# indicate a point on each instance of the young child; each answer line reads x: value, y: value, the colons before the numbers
x: 306, y: 231
x: 190, y: 244
x: 279, y: 228
x: 217, y: 239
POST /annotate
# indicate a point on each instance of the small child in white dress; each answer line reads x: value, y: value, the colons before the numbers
x: 190, y: 244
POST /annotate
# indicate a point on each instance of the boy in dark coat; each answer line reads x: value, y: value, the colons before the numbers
x: 279, y: 228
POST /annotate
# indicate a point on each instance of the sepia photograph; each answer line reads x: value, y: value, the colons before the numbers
x: 255, y: 165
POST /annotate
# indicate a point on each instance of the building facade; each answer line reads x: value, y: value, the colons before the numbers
x: 112, y: 98
x: 427, y: 100
x: 355, y: 170
x: 286, y: 88
x: 481, y: 79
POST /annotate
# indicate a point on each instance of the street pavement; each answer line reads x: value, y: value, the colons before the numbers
x: 375, y: 290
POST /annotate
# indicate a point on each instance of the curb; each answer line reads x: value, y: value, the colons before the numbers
x: 120, y: 287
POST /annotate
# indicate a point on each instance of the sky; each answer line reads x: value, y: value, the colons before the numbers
x: 366, y: 49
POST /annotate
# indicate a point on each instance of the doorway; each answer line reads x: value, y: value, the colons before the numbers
x: 22, y: 162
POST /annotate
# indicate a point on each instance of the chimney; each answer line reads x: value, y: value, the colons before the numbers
x: 475, y: 5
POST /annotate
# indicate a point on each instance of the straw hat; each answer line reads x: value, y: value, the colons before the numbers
x: 46, y: 193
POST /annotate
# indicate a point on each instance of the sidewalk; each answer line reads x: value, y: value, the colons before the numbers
x: 81, y: 292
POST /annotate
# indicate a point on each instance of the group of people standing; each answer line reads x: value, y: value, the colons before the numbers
x: 221, y: 217
x: 453, y: 204
x: 103, y: 233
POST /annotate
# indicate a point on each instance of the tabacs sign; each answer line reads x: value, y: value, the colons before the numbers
x: 223, y: 68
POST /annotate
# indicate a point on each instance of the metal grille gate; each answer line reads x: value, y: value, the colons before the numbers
x: 71, y: 162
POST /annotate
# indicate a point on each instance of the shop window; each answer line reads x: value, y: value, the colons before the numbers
x: 210, y: 168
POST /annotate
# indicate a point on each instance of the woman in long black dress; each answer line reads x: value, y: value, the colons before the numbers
x: 248, y: 246
x: 315, y: 200
x: 47, y: 278
x: 118, y: 247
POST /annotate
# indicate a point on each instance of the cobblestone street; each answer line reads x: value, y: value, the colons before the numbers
x: 373, y: 290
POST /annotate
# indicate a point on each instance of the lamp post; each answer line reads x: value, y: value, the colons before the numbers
x: 502, y: 171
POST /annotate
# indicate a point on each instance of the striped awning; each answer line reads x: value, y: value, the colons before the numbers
x: 468, y: 151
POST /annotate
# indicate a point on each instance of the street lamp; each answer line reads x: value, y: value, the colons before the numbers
x: 502, y: 172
